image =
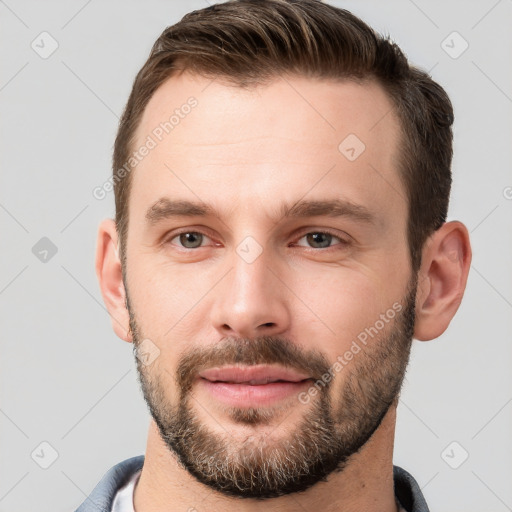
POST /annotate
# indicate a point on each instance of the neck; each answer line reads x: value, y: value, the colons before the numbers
x: 366, y: 483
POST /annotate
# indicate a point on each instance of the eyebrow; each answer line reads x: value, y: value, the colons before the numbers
x: 166, y: 208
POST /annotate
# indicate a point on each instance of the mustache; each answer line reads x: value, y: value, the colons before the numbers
x: 244, y: 351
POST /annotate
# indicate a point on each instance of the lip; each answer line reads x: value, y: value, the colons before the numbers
x: 254, y: 375
x: 252, y: 386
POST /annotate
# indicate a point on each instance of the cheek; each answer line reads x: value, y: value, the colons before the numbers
x: 342, y: 305
x: 164, y: 297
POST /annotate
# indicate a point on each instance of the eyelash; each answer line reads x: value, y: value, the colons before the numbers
x: 342, y: 243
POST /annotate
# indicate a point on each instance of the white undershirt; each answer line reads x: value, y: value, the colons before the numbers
x: 123, y: 500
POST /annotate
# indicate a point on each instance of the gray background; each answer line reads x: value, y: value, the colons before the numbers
x: 68, y: 381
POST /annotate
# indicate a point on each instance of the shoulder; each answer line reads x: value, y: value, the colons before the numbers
x: 408, y: 491
x: 103, y: 494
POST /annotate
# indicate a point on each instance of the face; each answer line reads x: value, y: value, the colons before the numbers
x: 267, y: 267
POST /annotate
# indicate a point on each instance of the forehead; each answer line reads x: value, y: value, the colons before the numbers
x: 332, y: 106
x: 291, y: 137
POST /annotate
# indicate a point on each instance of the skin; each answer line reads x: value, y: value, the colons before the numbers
x: 246, y: 152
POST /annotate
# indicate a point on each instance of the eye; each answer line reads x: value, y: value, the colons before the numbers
x: 189, y: 239
x: 321, y: 239
x: 315, y: 239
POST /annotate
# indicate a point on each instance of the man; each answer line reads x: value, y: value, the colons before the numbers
x: 282, y: 178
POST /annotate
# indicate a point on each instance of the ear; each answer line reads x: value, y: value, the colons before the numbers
x: 442, y: 278
x: 108, y: 271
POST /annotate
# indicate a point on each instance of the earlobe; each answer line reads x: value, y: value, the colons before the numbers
x: 442, y: 280
x: 110, y: 278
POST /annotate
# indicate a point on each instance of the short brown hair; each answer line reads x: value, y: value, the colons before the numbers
x: 248, y: 42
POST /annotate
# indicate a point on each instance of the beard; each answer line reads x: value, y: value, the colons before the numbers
x: 331, y: 431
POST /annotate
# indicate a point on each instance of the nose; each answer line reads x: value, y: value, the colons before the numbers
x: 251, y: 300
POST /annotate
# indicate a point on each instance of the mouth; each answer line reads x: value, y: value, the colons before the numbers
x: 252, y: 386
x: 252, y: 375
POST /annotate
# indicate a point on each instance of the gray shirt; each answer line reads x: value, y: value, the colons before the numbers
x: 102, y: 497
